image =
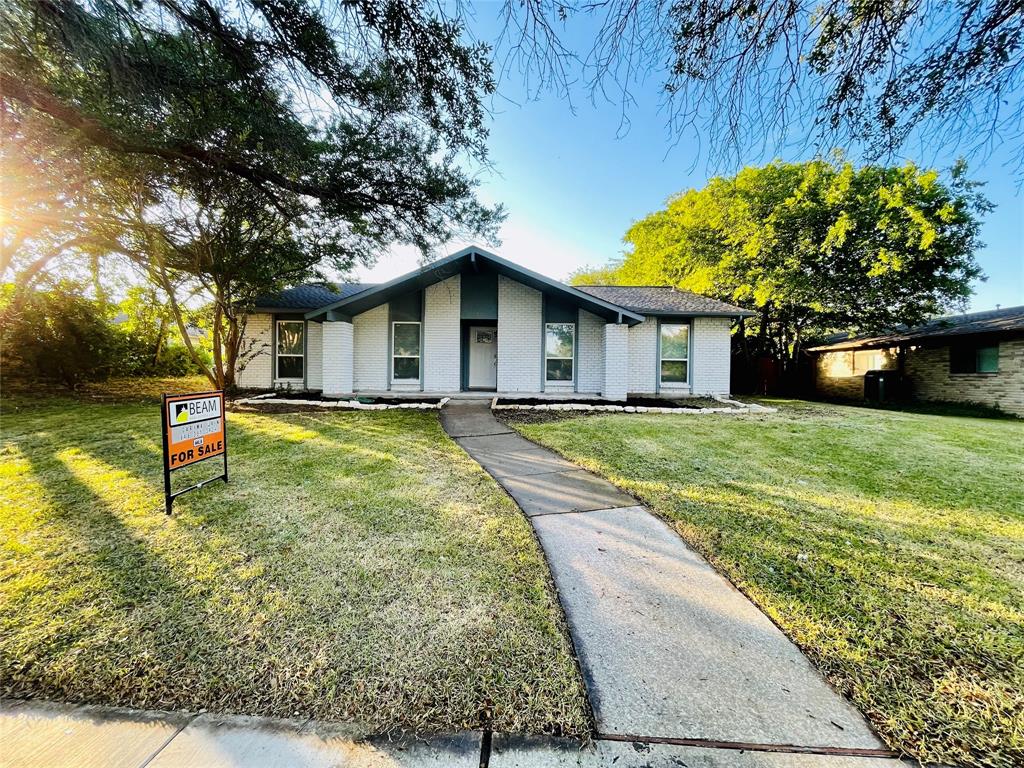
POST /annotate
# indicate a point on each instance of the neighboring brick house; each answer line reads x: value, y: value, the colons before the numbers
x: 967, y: 358
x: 474, y: 321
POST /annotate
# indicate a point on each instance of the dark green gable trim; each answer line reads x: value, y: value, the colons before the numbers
x: 479, y: 295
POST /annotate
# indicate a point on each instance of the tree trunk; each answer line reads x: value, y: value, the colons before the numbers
x: 218, y: 359
x: 161, y: 336
x: 165, y: 284
x: 231, y: 349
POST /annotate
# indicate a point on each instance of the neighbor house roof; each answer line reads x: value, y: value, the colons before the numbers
x: 1006, y: 320
x: 474, y: 258
x: 303, y: 298
x: 663, y: 300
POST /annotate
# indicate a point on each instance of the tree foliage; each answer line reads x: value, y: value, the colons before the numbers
x: 228, y: 250
x: 761, y: 75
x: 815, y: 247
x: 65, y: 336
x: 356, y: 108
x: 224, y: 148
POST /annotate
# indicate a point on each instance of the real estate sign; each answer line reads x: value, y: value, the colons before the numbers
x: 193, y: 431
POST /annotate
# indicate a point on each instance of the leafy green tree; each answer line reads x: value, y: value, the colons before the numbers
x: 224, y: 250
x: 308, y: 135
x: 815, y: 248
x: 60, y: 336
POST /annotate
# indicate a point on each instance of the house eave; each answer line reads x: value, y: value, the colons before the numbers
x: 455, y: 264
x: 684, y: 315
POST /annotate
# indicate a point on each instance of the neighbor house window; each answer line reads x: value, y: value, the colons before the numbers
x: 291, y: 349
x: 675, y: 353
x: 970, y: 358
x: 868, y: 360
x: 559, y: 350
x: 405, y: 351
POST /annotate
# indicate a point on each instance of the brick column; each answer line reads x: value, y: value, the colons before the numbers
x: 337, y: 358
x: 616, y: 361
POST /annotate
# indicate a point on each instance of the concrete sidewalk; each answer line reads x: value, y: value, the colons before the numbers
x: 47, y: 735
x: 668, y: 647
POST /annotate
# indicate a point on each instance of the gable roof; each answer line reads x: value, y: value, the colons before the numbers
x: 474, y: 257
x: 303, y: 298
x: 1010, y: 319
x: 663, y: 300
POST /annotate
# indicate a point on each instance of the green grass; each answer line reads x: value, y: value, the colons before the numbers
x: 889, y: 546
x: 358, y: 566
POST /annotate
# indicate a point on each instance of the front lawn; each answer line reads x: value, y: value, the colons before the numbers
x: 889, y: 546
x: 359, y: 566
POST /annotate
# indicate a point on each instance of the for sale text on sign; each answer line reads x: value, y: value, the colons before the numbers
x: 194, y: 428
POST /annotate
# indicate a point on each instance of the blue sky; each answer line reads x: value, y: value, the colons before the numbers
x: 573, y: 182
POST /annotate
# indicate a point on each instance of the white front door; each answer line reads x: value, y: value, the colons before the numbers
x: 483, y: 357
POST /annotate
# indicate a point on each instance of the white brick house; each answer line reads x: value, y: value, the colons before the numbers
x: 474, y: 321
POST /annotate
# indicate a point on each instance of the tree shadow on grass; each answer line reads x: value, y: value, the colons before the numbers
x: 107, y: 610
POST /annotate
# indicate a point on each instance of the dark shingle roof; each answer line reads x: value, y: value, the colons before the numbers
x: 661, y: 300
x: 990, y: 321
x: 303, y: 298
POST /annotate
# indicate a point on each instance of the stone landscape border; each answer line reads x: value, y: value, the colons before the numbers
x: 729, y: 406
x: 732, y: 406
x: 348, y: 405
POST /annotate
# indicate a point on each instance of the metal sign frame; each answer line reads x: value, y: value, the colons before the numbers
x: 165, y: 428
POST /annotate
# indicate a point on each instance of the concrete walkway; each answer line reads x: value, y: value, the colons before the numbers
x: 668, y: 647
x: 48, y: 735
x: 45, y: 735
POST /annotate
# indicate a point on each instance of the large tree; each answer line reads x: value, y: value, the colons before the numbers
x: 225, y: 249
x: 755, y: 76
x: 814, y: 248
x: 355, y: 119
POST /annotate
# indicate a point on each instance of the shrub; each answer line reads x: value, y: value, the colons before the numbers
x: 60, y: 335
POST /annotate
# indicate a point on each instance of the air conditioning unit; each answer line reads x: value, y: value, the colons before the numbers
x: 882, y: 386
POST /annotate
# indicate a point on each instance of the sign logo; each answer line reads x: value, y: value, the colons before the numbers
x: 193, y: 427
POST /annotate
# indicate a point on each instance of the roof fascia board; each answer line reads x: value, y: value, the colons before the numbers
x: 416, y: 276
x: 742, y: 313
x: 439, y: 270
x: 580, y: 296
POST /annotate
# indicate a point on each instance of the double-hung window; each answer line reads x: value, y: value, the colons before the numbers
x: 675, y: 353
x: 291, y: 349
x: 405, y: 351
x: 970, y: 358
x: 559, y: 351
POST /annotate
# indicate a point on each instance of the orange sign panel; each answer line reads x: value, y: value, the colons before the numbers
x: 194, y: 427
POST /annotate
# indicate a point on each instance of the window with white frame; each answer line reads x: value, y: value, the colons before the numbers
x: 675, y: 353
x: 559, y: 351
x: 405, y: 351
x: 291, y: 349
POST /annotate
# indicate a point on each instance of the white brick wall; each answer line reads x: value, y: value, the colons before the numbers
x: 710, y: 355
x: 617, y: 345
x: 314, y: 355
x: 442, y: 329
x: 643, y: 357
x: 337, y: 358
x: 257, y: 372
x: 519, y: 337
x: 590, y: 328
x: 370, y: 349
